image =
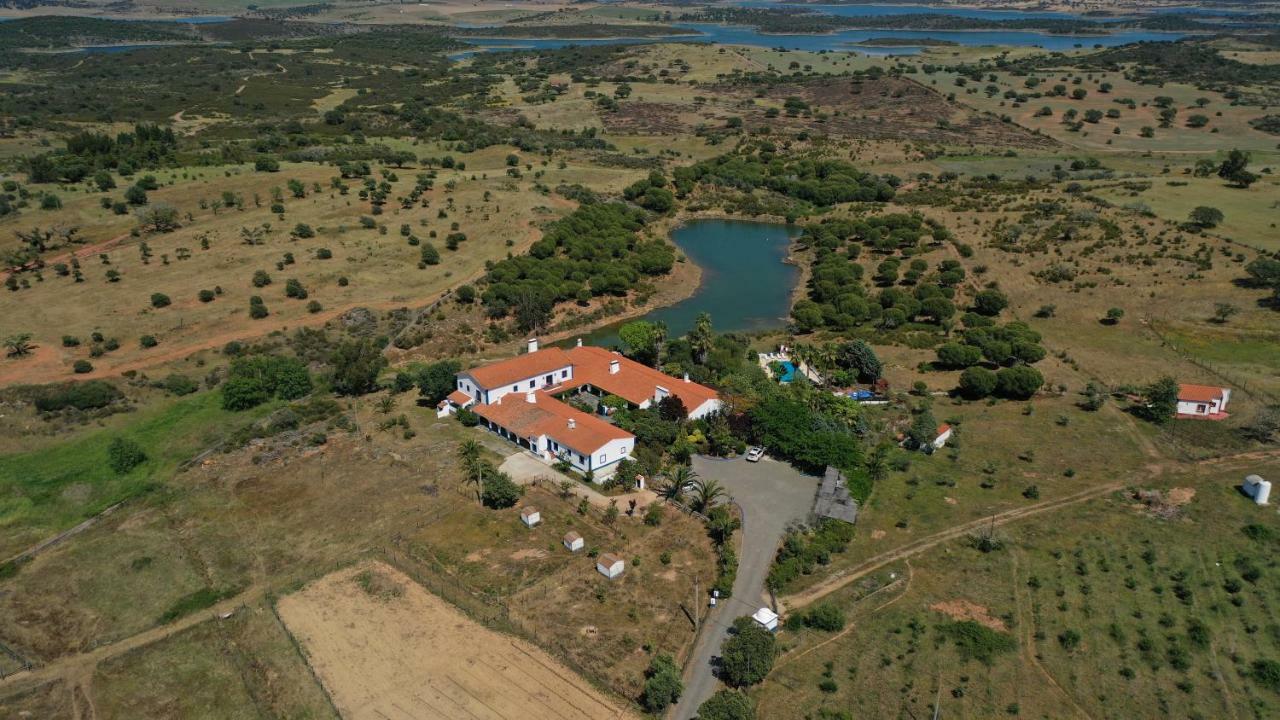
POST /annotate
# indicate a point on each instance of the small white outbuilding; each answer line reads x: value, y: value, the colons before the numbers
x: 530, y: 516
x: 767, y: 618
x: 1257, y: 488
x: 573, y: 542
x: 610, y: 565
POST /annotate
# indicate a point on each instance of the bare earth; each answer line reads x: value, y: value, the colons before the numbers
x: 412, y: 655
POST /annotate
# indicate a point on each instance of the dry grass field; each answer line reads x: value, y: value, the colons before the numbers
x: 386, y: 648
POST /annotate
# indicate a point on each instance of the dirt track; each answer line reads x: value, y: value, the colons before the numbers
x: 414, y: 656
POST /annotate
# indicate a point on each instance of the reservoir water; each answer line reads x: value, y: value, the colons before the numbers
x: 746, y: 285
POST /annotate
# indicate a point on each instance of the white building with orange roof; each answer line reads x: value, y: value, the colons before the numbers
x: 519, y: 400
x: 1203, y: 401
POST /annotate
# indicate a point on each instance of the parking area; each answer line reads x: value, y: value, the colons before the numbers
x: 772, y: 495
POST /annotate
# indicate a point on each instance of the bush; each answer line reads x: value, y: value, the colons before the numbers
x: 727, y: 705
x: 293, y: 288
x: 206, y: 296
x: 180, y: 384
x: 976, y: 641
x: 89, y: 395
x: 148, y: 341
x: 159, y: 300
x: 324, y: 254
x: 124, y: 455
x: 81, y: 367
x: 825, y: 616
x: 303, y: 230
x: 747, y: 656
x: 356, y: 365
x: 254, y: 380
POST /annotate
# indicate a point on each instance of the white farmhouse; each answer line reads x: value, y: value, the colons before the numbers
x: 1203, y: 402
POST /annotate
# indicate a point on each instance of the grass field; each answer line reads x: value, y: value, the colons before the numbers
x: 1106, y: 610
x: 52, y: 488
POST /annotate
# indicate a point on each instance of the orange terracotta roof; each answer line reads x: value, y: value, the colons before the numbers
x: 1199, y: 393
x: 459, y: 398
x: 943, y: 428
x: 520, y: 367
x: 550, y: 417
x: 633, y: 382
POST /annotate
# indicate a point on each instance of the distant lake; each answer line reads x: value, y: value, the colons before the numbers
x: 842, y: 41
x: 746, y: 285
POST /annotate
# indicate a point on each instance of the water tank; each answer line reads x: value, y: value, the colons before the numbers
x: 1258, y: 489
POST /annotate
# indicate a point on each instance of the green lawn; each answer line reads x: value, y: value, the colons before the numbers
x: 53, y: 488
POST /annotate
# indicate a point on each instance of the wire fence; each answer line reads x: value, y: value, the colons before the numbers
x: 1213, y: 369
x: 20, y: 664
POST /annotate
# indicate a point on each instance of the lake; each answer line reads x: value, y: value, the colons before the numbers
x: 843, y: 41
x: 746, y: 285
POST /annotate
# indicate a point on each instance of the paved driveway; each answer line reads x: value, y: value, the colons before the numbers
x: 771, y: 494
x: 526, y: 469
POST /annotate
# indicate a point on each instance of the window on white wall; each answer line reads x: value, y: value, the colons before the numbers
x: 601, y: 458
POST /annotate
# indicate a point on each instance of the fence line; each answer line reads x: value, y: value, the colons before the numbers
x: 1210, y: 367
x: 23, y: 663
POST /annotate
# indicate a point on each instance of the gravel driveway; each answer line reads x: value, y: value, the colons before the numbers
x: 771, y: 494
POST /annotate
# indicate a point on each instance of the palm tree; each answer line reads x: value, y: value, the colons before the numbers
x: 469, y: 453
x: 706, y: 494
x: 701, y: 337
x: 678, y: 481
x: 19, y: 345
x: 878, y: 462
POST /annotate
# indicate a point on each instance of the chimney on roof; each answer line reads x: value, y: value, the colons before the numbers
x: 533, y: 345
x: 614, y: 367
x: 686, y: 377
x: 660, y: 392
x: 572, y: 423
x: 529, y: 397
x: 579, y: 342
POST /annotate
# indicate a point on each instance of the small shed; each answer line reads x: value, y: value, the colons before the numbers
x: 573, y: 542
x: 610, y: 565
x: 1258, y: 489
x: 530, y: 516
x: 944, y: 434
x: 767, y: 618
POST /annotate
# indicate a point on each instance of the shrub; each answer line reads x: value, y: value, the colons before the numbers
x: 206, y: 296
x: 88, y: 395
x: 148, y: 341
x: 825, y: 616
x: 81, y: 367
x: 159, y: 300
x: 256, y: 379
x: 976, y: 641
x: 293, y: 288
x: 303, y: 230
x: 124, y: 455
x: 180, y: 384
x: 324, y: 254
x: 727, y: 705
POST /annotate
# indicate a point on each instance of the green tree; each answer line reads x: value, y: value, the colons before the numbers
x: 356, y: 365
x: 858, y: 357
x: 1234, y: 171
x: 706, y: 494
x: 124, y: 455
x: 1019, y: 382
x: 473, y: 467
x: 990, y: 302
x: 641, y: 338
x: 747, y: 656
x: 924, y: 428
x: 1161, y: 401
x: 1113, y: 315
x: 437, y: 380
x: 499, y: 491
x: 662, y: 685
x: 1206, y: 217
x: 977, y: 383
x: 701, y: 338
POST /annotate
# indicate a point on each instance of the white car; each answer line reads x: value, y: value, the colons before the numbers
x: 755, y: 453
